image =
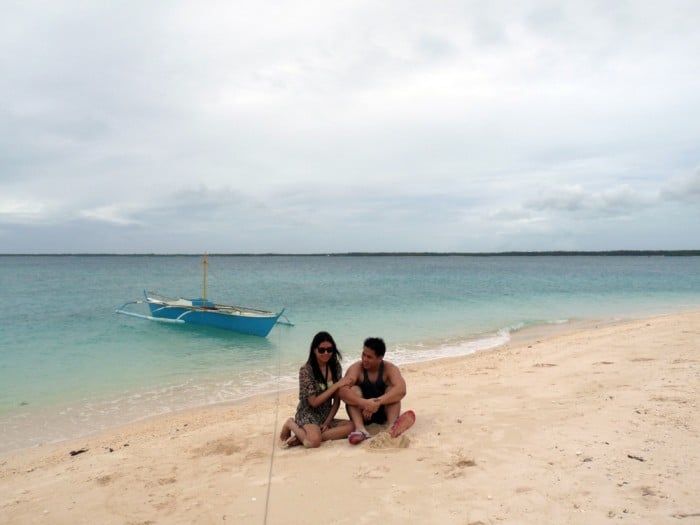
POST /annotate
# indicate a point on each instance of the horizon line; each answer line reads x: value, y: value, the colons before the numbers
x: 692, y: 252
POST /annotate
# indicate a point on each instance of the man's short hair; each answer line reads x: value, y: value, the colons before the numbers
x: 377, y: 345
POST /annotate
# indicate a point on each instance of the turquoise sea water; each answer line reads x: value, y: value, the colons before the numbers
x: 70, y: 366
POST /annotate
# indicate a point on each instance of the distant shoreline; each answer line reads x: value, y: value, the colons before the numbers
x: 555, y: 253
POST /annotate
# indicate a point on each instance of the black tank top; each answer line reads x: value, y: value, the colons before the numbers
x: 371, y: 390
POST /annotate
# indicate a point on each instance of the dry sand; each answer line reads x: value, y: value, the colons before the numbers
x: 596, y: 426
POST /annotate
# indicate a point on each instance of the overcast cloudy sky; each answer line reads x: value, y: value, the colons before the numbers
x: 316, y: 126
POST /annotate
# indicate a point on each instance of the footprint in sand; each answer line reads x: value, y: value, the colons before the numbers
x: 372, y: 472
x: 256, y: 455
x: 221, y: 447
x: 456, y: 468
x: 104, y: 480
x: 167, y: 481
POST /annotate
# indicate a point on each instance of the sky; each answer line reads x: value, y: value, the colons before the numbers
x: 349, y: 126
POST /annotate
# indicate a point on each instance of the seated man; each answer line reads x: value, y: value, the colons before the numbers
x: 375, y: 392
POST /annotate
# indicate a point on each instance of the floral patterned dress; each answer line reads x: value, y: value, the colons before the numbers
x: 309, y: 386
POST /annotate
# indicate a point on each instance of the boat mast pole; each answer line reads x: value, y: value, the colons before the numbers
x: 204, y: 292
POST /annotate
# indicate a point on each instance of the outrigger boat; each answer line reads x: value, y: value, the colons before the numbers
x: 201, y: 311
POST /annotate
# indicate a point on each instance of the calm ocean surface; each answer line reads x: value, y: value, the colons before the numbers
x: 70, y: 366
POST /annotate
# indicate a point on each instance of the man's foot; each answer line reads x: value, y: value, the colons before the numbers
x: 358, y: 437
x: 403, y: 423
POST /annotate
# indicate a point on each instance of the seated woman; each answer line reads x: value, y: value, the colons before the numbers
x: 319, y: 381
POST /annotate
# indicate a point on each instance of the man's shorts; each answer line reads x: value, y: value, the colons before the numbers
x: 379, y: 416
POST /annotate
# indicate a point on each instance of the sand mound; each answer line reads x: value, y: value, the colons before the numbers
x: 383, y: 440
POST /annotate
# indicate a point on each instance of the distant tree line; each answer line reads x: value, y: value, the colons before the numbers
x: 637, y: 253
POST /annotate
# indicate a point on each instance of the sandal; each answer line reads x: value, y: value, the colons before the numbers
x: 358, y: 437
x: 403, y: 423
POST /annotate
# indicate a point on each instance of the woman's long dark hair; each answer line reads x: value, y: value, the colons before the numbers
x: 324, y: 337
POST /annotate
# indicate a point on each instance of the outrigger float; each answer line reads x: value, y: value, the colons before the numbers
x: 201, y: 311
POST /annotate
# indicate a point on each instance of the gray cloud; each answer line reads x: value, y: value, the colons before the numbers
x: 616, y: 201
x: 172, y: 126
x: 683, y: 189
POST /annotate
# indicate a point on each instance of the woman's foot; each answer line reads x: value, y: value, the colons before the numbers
x: 291, y: 441
x: 286, y: 431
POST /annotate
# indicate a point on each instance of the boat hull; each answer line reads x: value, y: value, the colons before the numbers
x: 236, y: 319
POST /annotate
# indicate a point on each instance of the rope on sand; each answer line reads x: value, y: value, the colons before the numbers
x: 274, y: 436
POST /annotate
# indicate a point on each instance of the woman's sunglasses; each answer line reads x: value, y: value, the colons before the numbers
x: 323, y: 350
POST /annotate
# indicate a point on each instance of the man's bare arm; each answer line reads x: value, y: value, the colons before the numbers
x: 347, y: 393
x: 396, y: 385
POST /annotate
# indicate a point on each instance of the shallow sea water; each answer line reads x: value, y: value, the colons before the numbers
x: 69, y: 365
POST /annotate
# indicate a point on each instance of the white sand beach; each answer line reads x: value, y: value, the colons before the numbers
x: 599, y: 425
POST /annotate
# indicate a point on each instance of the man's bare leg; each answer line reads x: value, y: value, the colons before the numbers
x: 392, y: 412
x: 357, y: 420
x: 355, y: 413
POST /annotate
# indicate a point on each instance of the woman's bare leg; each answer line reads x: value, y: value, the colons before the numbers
x: 313, y: 436
x: 339, y: 431
x: 288, y: 439
x: 308, y: 435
